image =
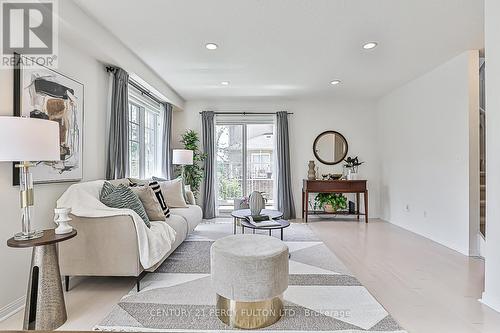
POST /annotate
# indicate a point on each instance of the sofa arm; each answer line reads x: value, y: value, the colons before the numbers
x: 190, y: 198
x: 104, y: 246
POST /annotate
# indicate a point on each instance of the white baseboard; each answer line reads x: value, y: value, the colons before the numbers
x: 490, y: 302
x: 12, y: 308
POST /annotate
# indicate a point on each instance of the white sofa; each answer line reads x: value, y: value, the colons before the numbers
x: 108, y: 246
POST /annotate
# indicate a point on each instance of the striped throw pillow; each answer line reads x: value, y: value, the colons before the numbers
x: 122, y: 197
x: 155, y: 186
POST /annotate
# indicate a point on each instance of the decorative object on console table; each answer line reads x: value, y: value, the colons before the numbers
x: 311, y: 173
x: 45, y: 308
x: 61, y: 218
x: 335, y: 186
x: 256, y: 202
x: 40, y: 92
x: 351, y: 167
x: 27, y: 140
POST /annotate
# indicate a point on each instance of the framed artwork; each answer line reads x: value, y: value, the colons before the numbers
x: 40, y: 92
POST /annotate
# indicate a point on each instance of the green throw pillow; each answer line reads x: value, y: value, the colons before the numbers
x: 122, y: 197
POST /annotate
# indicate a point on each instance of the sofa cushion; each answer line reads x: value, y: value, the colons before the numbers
x: 161, y: 199
x: 150, y: 202
x: 192, y: 214
x: 122, y: 196
x: 172, y: 192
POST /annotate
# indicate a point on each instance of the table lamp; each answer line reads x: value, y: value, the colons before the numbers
x: 182, y: 157
x: 27, y: 140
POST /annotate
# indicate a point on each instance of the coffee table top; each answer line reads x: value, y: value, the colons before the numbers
x: 242, y: 213
x: 283, y: 224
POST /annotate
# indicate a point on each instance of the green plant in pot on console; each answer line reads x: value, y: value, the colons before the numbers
x: 330, y: 202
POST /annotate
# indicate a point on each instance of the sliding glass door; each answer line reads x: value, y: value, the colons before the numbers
x: 245, y: 153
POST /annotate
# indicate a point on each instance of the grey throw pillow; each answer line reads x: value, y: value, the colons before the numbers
x: 122, y: 196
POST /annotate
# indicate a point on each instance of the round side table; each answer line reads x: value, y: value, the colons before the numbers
x: 45, y: 308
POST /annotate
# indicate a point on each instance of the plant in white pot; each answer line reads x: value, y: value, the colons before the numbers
x: 330, y: 202
x: 351, y: 166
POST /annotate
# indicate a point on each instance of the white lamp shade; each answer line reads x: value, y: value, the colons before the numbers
x: 28, y: 139
x: 182, y: 157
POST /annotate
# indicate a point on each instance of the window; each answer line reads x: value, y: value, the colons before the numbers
x: 144, y: 135
x: 244, y: 161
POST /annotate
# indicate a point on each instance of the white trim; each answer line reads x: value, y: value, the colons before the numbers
x: 12, y: 308
x: 490, y: 302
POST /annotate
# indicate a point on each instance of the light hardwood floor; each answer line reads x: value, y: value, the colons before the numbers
x: 425, y: 286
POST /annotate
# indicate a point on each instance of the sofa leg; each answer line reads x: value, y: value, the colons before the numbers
x: 138, y: 280
x: 66, y: 282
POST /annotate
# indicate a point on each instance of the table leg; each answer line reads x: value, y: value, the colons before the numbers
x: 357, y: 204
x: 253, y: 230
x: 270, y: 232
x: 242, y: 229
x: 282, y: 235
x: 306, y: 203
x: 366, y: 206
x: 302, y: 204
x: 234, y: 229
x: 45, y: 308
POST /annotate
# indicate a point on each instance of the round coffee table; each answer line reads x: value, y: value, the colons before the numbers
x: 283, y: 224
x: 241, y: 214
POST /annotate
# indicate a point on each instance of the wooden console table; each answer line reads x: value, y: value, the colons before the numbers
x: 334, y: 186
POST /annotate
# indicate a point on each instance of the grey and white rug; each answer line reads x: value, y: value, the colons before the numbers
x: 322, y: 294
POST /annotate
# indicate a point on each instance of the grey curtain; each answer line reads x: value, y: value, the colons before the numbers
x: 208, y: 136
x: 284, y: 195
x: 166, y: 152
x: 117, y: 156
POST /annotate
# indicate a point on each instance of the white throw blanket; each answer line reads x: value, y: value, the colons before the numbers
x: 153, y: 243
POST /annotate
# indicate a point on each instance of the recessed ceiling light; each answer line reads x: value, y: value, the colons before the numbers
x: 370, y: 45
x: 335, y: 82
x: 225, y: 83
x: 211, y: 46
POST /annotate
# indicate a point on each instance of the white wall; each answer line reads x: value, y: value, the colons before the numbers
x: 424, y: 149
x: 355, y: 120
x: 84, y: 62
x: 491, y: 295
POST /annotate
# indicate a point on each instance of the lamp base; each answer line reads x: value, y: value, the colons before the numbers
x: 22, y: 236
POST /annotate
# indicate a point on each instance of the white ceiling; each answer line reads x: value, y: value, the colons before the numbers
x: 291, y: 48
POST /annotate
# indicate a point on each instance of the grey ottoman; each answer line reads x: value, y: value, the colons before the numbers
x: 249, y: 275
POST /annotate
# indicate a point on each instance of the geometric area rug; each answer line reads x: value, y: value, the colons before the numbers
x: 322, y: 296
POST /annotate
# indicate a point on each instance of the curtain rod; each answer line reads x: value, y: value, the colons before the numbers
x: 137, y: 86
x: 249, y: 113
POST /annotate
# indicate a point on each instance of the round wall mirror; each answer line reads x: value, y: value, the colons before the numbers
x: 330, y: 147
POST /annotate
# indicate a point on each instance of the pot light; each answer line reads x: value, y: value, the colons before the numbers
x: 225, y: 83
x: 335, y: 82
x: 370, y: 45
x: 211, y: 46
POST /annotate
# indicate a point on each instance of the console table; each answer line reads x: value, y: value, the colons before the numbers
x: 334, y: 186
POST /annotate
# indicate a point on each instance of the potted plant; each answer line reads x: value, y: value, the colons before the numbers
x: 330, y: 202
x: 193, y: 174
x: 351, y: 165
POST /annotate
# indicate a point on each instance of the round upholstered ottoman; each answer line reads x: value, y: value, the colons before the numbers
x: 249, y: 275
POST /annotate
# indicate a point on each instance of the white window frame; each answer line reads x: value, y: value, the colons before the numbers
x: 146, y: 104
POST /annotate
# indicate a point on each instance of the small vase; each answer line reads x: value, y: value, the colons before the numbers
x: 256, y: 203
x: 311, y: 173
x: 61, y: 218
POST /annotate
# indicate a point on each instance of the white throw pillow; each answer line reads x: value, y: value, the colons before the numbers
x: 172, y: 192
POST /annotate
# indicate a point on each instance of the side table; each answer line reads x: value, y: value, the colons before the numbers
x: 45, y: 308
